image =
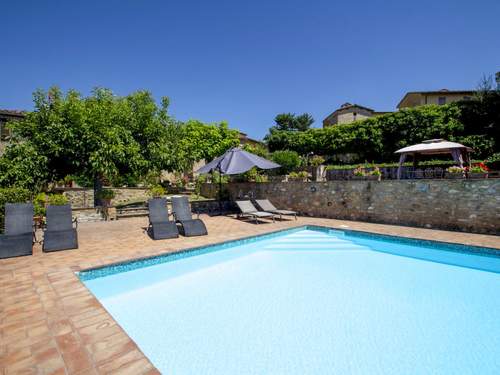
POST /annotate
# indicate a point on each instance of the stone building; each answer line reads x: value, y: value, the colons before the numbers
x: 246, y: 140
x: 7, y: 115
x: 440, y: 97
x: 348, y: 113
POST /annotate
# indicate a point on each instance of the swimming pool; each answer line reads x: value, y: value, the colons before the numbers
x: 311, y: 301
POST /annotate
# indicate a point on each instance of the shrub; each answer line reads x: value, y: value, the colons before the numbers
x: 40, y: 204
x: 106, y: 194
x: 375, y: 172
x: 477, y: 169
x: 493, y: 162
x: 298, y: 176
x: 257, y: 150
x: 261, y: 178
x: 316, y: 161
x: 11, y: 195
x: 253, y: 175
x: 57, y: 199
x: 289, y: 160
x: 41, y: 201
x: 157, y: 191
x: 200, y: 180
x: 455, y: 169
x: 218, y: 178
x: 421, y: 164
x: 359, y: 171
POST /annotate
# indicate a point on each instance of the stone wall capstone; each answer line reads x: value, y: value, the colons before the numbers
x: 462, y: 205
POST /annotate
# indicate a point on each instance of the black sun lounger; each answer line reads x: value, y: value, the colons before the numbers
x: 182, y: 214
x: 266, y: 205
x: 17, y: 239
x: 248, y: 209
x: 60, y: 233
x: 160, y: 226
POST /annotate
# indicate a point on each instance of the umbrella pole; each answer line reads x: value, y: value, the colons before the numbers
x: 220, y: 191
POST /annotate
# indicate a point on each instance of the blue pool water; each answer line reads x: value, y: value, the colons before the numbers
x: 312, y: 302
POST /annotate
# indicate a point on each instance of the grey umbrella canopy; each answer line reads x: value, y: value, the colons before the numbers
x: 237, y: 161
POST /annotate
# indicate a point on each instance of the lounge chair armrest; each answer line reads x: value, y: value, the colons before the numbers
x: 75, y: 222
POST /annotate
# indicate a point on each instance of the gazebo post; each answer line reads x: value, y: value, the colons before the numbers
x: 402, y: 158
x: 415, y: 160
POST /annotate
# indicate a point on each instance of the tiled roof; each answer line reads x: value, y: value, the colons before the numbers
x: 348, y: 106
x: 12, y: 112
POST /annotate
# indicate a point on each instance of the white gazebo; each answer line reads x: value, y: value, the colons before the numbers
x: 459, y: 152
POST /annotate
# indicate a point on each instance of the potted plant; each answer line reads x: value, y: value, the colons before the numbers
x: 106, y: 195
x: 455, y: 172
x: 68, y: 181
x: 302, y: 176
x: 298, y: 176
x: 39, y: 207
x: 157, y: 191
x: 292, y: 176
x: 375, y: 174
x: 40, y: 203
x: 359, y: 173
x: 479, y: 170
x: 316, y: 161
x: 317, y: 167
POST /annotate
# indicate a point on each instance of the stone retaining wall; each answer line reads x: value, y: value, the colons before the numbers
x: 84, y: 198
x: 80, y: 198
x: 464, y: 205
x: 124, y: 195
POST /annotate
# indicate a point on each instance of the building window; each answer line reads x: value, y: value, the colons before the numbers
x: 442, y: 100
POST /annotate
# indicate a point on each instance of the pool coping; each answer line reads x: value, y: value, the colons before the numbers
x: 142, y: 262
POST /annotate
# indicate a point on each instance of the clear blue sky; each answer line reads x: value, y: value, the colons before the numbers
x: 246, y: 61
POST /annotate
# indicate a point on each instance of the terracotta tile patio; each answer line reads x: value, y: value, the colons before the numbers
x: 51, y: 324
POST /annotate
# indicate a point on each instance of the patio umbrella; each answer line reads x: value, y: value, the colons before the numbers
x: 236, y: 161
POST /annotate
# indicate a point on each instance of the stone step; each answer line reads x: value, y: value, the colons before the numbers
x: 123, y: 215
x: 90, y: 218
x: 131, y: 209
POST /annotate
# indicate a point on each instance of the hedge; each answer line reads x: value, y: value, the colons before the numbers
x: 11, y: 195
x: 422, y: 164
x: 475, y: 123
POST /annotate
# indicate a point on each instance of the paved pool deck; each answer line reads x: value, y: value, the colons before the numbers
x: 51, y: 324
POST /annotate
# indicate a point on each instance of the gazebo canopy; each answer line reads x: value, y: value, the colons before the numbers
x: 433, y: 146
x: 458, y: 151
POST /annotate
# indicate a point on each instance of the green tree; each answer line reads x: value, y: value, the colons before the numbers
x: 104, y: 137
x: 204, y: 141
x: 293, y: 122
x: 258, y: 150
